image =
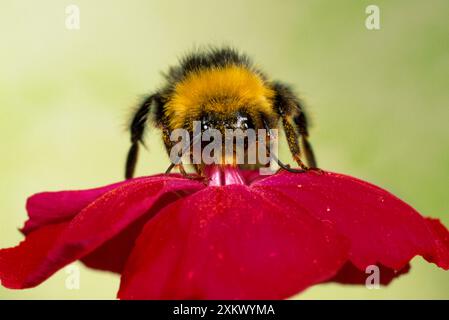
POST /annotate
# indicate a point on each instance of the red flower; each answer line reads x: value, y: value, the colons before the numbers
x: 243, y: 236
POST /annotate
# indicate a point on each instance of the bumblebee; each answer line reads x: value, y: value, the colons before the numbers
x: 221, y: 88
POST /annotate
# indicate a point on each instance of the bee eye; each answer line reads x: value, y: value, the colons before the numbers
x: 244, y: 125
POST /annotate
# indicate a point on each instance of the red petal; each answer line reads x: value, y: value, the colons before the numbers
x: 112, y: 255
x: 383, y: 229
x: 52, y: 207
x: 105, y: 218
x: 19, y: 263
x: 350, y: 274
x: 441, y: 236
x: 230, y: 243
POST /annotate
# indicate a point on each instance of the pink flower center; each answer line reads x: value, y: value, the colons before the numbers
x: 220, y: 175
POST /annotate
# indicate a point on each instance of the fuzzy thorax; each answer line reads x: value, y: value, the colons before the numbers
x: 220, y: 91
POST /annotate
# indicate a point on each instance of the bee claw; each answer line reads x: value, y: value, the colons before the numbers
x: 317, y: 170
x: 196, y: 177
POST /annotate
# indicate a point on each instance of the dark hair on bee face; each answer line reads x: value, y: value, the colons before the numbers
x: 226, y: 86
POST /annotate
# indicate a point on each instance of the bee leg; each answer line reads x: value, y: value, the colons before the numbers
x: 282, y: 166
x: 191, y: 176
x: 170, y: 168
x: 182, y: 170
x: 168, y: 146
x: 308, y: 152
x: 310, y: 157
x: 137, y: 129
x: 287, y: 167
x: 179, y: 166
x: 200, y: 174
x: 301, y: 124
x: 292, y: 140
x: 199, y: 168
x: 131, y: 160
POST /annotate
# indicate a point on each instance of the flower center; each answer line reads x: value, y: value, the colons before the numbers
x: 220, y: 175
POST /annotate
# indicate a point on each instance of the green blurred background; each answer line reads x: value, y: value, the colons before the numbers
x: 378, y: 100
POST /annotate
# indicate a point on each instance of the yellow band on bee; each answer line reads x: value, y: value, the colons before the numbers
x: 218, y: 90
